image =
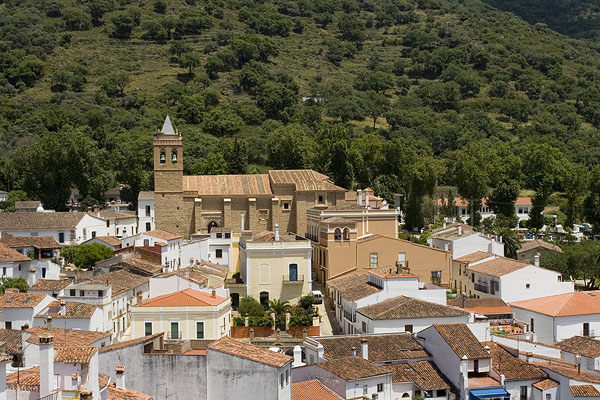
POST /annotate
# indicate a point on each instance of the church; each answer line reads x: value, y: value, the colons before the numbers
x: 187, y: 205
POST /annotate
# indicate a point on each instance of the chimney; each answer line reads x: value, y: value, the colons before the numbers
x: 364, y: 348
x: 500, y: 239
x: 297, y: 355
x: 444, y: 225
x: 63, y: 308
x: 46, y: 347
x: 502, y: 379
x: 353, y: 350
x: 277, y: 232
x: 460, y: 230
x: 213, y: 294
x: 120, y: 373
x: 464, y: 300
x: 243, y: 222
x: 49, y: 322
x: 366, y: 198
x: 359, y: 197
x: 536, y: 260
x: 89, y: 209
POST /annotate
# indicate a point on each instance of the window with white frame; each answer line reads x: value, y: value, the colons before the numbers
x: 199, y: 329
x: 374, y: 259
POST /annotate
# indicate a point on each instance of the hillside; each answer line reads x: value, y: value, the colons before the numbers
x: 85, y: 83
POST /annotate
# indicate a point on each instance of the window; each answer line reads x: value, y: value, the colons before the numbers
x: 523, y: 391
x: 380, y: 387
x: 93, y: 234
x: 3, y: 271
x: 43, y: 273
x: 293, y: 270
x: 264, y: 298
x: 147, y: 211
x: 520, y: 210
x: 72, y: 292
x: 320, y: 199
x: 219, y: 235
x: 108, y: 224
x: 34, y: 234
x: 163, y: 156
x: 148, y: 228
x: 408, y: 328
x: 441, y: 393
x: 286, y: 206
x: 61, y: 237
x: 527, y: 286
x: 147, y: 328
x: 337, y: 234
x: 548, y: 396
x: 281, y: 380
x: 532, y: 325
x: 287, y: 376
x: 475, y: 367
x: 586, y: 329
x: 436, y: 277
x: 263, y: 215
x: 82, y: 293
x: 174, y: 330
x: 199, y: 330
x: 373, y: 259
x: 219, y: 253
x: 100, y: 293
x: 365, y: 389
x: 8, y: 325
x: 472, y: 277
x: 174, y: 156
x: 346, y: 234
x: 364, y: 327
x: 464, y: 211
x: 227, y: 235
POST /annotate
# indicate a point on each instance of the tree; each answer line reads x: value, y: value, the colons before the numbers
x: 236, y: 155
x: 222, y: 120
x: 351, y: 29
x: 346, y: 109
x: 189, y: 61
x: 179, y: 47
x: 114, y: 84
x: 160, y: 6
x: 76, y: 19
x: 375, y: 105
x: 275, y: 98
x: 213, y: 66
x: 438, y: 95
x: 279, y: 308
x: 13, y: 283
x: 249, y: 305
x: 421, y: 179
x: 123, y: 25
x: 575, y: 183
x: 592, y: 201
x: 8, y: 205
x: 288, y: 147
x: 87, y: 255
x: 472, y: 177
x: 334, y: 154
x: 214, y: 164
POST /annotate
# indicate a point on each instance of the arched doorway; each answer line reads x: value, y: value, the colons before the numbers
x: 235, y: 300
x: 211, y: 225
x: 264, y: 298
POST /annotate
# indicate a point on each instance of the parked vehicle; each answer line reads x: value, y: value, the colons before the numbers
x: 317, y: 297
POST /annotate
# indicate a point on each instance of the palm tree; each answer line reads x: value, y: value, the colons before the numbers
x: 278, y: 308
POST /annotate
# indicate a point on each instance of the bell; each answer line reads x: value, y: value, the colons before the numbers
x: 163, y: 158
x: 174, y: 157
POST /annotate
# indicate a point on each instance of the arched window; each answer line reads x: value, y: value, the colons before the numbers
x: 346, y: 233
x: 174, y: 156
x: 163, y: 156
x: 264, y: 298
x: 405, y: 396
x: 337, y: 234
x: 211, y: 225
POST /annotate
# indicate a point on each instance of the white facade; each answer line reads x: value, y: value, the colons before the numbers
x: 160, y: 285
x: 214, y: 247
x: 467, y: 244
x: 121, y: 227
x: 94, y: 323
x: 3, y: 195
x: 551, y: 329
x: 401, y: 325
x: 146, y: 215
x: 170, y: 253
x: 17, y: 317
x: 98, y: 295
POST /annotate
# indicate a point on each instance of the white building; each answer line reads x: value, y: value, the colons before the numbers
x: 145, y: 212
x: 71, y: 315
x: 523, y: 206
x: 353, y: 292
x: 112, y: 242
x: 169, y: 244
x: 52, y: 287
x: 19, y: 309
x: 582, y: 350
x: 198, y: 277
x: 214, y: 247
x: 243, y: 371
x: 98, y: 295
x: 556, y: 318
x: 461, y: 239
x: 485, y: 275
x: 3, y: 195
x: 30, y: 258
x: 120, y: 224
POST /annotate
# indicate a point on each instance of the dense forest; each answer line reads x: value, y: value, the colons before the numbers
x: 405, y: 96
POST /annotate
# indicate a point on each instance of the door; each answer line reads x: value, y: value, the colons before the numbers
x: 476, y: 366
x: 586, y: 329
x: 293, y: 272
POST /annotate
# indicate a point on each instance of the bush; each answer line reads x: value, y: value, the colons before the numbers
x: 249, y: 305
x: 260, y: 321
x: 239, y: 321
x: 301, y: 320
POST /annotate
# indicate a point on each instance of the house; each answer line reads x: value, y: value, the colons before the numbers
x: 350, y: 377
x: 486, y: 275
x: 13, y: 263
x: 19, y: 309
x: 189, y: 204
x: 531, y: 248
x: 145, y: 212
x: 99, y: 295
x: 523, y: 206
x: 406, y: 314
x: 559, y: 317
x: 312, y: 390
x: 353, y: 292
x: 72, y: 315
x: 52, y: 287
x: 461, y: 239
x: 120, y: 224
x: 165, y: 247
x: 493, y: 310
x: 273, y: 266
x: 581, y: 350
x: 3, y: 195
x: 27, y: 205
x: 43, y: 251
x: 188, y: 314
x: 463, y: 360
x: 64, y: 227
x: 240, y: 370
x: 112, y: 242
x: 199, y: 277
x: 139, y: 266
x: 419, y: 378
x: 570, y: 381
x: 215, y: 247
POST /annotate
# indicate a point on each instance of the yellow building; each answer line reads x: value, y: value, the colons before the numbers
x: 188, y: 314
x: 273, y: 266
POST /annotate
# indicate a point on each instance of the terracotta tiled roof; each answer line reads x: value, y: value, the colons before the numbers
x: 352, y: 196
x: 338, y: 220
x: 570, y: 372
x: 312, y: 390
x: 303, y: 179
x: 562, y: 305
x: 127, y: 343
x: 424, y: 374
x: 9, y: 255
x: 24, y: 221
x: 73, y: 309
x: 110, y: 240
x: 582, y: 345
x: 21, y: 300
x: 28, y: 380
x: 228, y: 185
x: 27, y: 204
x: 220, y: 229
x: 523, y: 201
x: 584, y: 391
x: 146, y: 195
x: 193, y: 274
x: 391, y: 272
x: 267, y: 236
x: 13, y: 339
x: 534, y: 244
x: 514, y: 369
x: 66, y: 337
x: 50, y: 284
x: 164, y: 235
x: 187, y: 297
x: 545, y: 384
x: 142, y: 265
x: 115, y: 393
x: 211, y: 268
x: 249, y: 351
x: 353, y: 287
x: 353, y: 368
x: 74, y: 355
x: 461, y: 340
x: 39, y: 242
x: 498, y: 266
x: 482, y: 306
x: 120, y: 281
x: 382, y: 347
x: 403, y: 307
x: 472, y: 257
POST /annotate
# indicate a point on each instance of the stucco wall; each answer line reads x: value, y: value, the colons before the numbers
x: 543, y: 324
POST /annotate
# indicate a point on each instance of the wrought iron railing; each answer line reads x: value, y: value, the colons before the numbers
x: 287, y: 279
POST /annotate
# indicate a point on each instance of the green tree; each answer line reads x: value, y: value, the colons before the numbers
x: 88, y: 255
x: 189, y: 61
x: 279, y: 308
x: 222, y: 120
x: 351, y: 29
x: 236, y: 154
x: 8, y: 205
x: 375, y: 105
x: 214, y: 164
x: 592, y: 201
x: 123, y: 25
x: 160, y: 6
x: 76, y: 19
x: 13, y: 283
x: 179, y: 47
x: 472, y: 177
x: 114, y: 84
x: 575, y: 183
x: 249, y: 305
x: 289, y: 147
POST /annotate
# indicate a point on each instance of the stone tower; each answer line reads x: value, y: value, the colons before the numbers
x: 168, y: 179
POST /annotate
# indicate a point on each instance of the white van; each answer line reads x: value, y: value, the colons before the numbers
x: 317, y: 296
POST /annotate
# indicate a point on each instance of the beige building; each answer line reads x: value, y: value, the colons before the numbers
x: 191, y: 204
x: 273, y: 266
x: 353, y: 239
x: 188, y: 314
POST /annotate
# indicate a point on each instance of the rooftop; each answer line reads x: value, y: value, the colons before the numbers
x: 545, y: 384
x: 424, y: 374
x: 109, y: 215
x: 50, y: 284
x: 570, y: 372
x: 563, y: 305
x: 382, y: 347
x: 75, y: 355
x: 211, y: 268
x: 9, y: 255
x: 73, y: 309
x: 132, y: 342
x: 584, y: 391
x: 534, y: 244
x: 229, y: 185
x: 120, y: 281
x: 391, y: 272
x: 164, y: 235
x: 115, y: 393
x: 39, y: 242
x: 498, y: 266
x: 353, y: 368
x: 27, y: 204
x: 142, y: 265
x: 450, y: 232
x: 513, y: 368
x: 582, y: 345
x: 12, y: 338
x: 66, y: 337
x: 146, y: 195
x: 25, y: 379
x: 21, y: 300
x: 110, y: 240
x: 354, y: 287
x: 474, y: 257
x: 312, y: 390
x: 482, y: 306
x: 25, y: 221
x: 403, y: 307
x: 250, y: 352
x: 461, y: 340
x: 303, y: 179
x: 184, y: 298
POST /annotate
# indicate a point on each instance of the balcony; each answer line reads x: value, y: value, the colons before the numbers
x: 234, y: 282
x: 349, y: 316
x: 299, y: 279
x: 481, y: 288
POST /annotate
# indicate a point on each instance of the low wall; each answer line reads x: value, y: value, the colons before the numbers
x: 243, y: 332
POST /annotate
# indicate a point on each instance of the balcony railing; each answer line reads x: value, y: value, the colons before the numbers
x: 350, y: 316
x: 176, y: 336
x: 481, y: 288
x: 299, y: 279
x: 234, y: 282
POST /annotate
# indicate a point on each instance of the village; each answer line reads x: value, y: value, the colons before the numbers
x: 283, y: 286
